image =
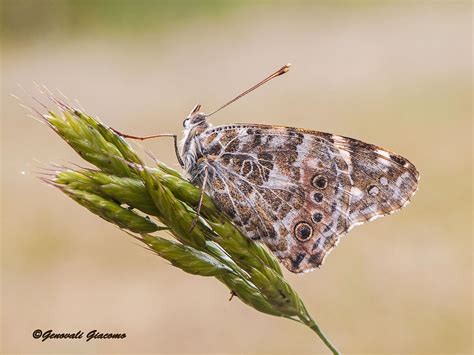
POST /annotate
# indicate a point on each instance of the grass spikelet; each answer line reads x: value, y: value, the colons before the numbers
x: 143, y: 200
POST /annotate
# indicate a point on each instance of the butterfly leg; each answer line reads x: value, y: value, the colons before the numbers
x: 175, y: 139
x: 201, y: 198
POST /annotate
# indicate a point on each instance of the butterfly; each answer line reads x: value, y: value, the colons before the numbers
x: 296, y: 190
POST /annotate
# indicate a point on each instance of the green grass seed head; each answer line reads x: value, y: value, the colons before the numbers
x: 123, y: 191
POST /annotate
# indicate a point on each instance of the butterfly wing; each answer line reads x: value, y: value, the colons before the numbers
x: 382, y: 182
x: 298, y: 191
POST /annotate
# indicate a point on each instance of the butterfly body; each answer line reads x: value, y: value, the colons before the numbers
x: 296, y: 190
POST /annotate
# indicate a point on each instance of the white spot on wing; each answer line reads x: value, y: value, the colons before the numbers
x: 373, y: 191
x: 384, y: 161
x: 356, y: 194
x: 340, y: 142
x: 383, y: 153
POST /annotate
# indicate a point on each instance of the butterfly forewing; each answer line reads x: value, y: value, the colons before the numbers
x: 297, y: 190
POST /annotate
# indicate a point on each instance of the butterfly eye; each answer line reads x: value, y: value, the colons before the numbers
x: 303, y: 231
x: 198, y: 119
x: 185, y: 122
x: 320, y: 181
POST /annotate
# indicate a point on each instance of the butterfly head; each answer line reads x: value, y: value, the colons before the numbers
x: 196, y: 121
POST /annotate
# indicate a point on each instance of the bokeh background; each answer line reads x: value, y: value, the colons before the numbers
x: 397, y: 74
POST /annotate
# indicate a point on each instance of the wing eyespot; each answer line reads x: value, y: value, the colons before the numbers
x: 373, y: 190
x: 320, y: 181
x: 317, y: 217
x: 318, y: 197
x: 303, y: 231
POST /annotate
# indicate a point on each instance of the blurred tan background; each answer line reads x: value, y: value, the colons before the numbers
x: 396, y: 74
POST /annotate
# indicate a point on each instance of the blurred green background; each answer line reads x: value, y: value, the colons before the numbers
x: 397, y: 74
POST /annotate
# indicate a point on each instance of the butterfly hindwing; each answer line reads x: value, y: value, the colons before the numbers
x: 297, y: 190
x: 284, y: 187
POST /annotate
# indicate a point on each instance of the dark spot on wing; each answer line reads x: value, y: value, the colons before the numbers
x: 398, y: 159
x: 318, y: 197
x: 317, y: 217
x: 303, y: 231
x: 295, y: 263
x: 320, y: 181
x: 316, y: 259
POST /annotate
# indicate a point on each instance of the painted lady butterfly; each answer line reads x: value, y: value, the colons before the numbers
x: 296, y: 190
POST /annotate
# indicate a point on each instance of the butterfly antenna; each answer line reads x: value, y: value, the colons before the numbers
x: 279, y: 72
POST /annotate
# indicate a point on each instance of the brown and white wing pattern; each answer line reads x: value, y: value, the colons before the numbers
x: 298, y: 191
x: 382, y: 182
